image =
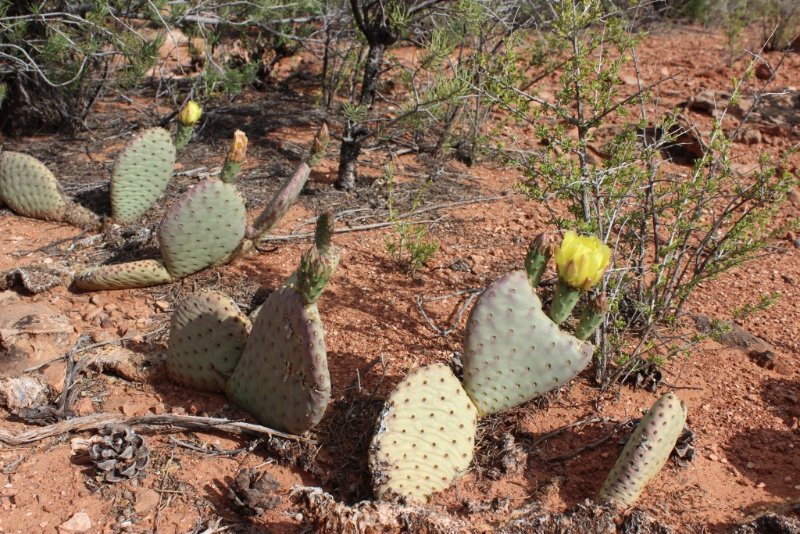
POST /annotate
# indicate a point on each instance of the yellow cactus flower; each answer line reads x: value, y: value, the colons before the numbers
x: 238, y: 149
x: 581, y: 260
x: 190, y: 113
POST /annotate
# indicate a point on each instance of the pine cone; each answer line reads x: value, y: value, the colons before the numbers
x: 119, y: 453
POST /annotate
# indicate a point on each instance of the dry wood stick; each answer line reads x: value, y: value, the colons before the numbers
x: 164, y: 423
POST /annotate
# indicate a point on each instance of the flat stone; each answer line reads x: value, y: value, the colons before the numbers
x: 146, y: 500
x: 80, y: 522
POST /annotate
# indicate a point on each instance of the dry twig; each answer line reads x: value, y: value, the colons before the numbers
x: 162, y: 423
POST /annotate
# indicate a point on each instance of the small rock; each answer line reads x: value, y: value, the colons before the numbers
x: 751, y: 136
x: 79, y: 522
x: 760, y: 485
x: 146, y: 500
x: 98, y: 336
x: 713, y: 457
x: 763, y: 71
x: 128, y: 410
x: 750, y: 465
x: 159, y: 409
x: 793, y: 196
x: 83, y: 406
x: 163, y: 305
x: 22, y: 393
x: 97, y: 300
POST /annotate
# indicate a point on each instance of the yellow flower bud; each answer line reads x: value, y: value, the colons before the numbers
x: 581, y: 260
x: 238, y: 149
x: 190, y: 113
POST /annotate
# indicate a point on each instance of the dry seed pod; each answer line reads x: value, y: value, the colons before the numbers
x: 119, y: 453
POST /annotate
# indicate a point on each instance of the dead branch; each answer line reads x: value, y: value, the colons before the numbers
x: 157, y: 423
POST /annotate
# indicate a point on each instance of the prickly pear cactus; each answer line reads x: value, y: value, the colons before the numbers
x: 202, y: 228
x: 646, y: 451
x: 282, y: 377
x: 425, y: 437
x: 513, y: 352
x: 29, y: 188
x: 143, y: 273
x: 141, y: 174
x: 206, y: 340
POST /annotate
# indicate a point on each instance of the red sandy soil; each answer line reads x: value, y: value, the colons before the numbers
x: 745, y: 417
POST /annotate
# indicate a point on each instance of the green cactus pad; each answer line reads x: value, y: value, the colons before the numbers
x: 513, y: 352
x: 206, y: 340
x: 141, y: 174
x: 29, y: 188
x: 202, y: 228
x: 282, y: 377
x: 143, y: 273
x: 646, y: 451
x: 425, y: 437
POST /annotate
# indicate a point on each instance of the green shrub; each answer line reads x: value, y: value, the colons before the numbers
x: 670, y: 231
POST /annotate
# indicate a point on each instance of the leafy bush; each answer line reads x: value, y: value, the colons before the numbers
x: 56, y: 59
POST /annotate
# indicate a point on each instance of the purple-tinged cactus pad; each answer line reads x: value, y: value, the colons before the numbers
x: 206, y: 340
x: 202, y: 228
x: 143, y: 273
x: 141, y: 174
x: 282, y: 377
x: 513, y: 352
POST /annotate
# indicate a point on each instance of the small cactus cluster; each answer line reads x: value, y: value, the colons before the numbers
x: 276, y: 369
x: 513, y: 352
x: 140, y: 176
x: 206, y: 227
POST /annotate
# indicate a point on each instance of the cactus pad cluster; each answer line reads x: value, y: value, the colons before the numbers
x: 513, y: 352
x: 206, y: 227
x: 279, y: 372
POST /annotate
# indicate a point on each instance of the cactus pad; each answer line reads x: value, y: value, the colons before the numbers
x: 646, y: 451
x: 143, y: 273
x: 425, y: 437
x: 513, y: 352
x: 207, y: 338
x: 29, y: 188
x: 141, y: 174
x: 202, y: 228
x: 282, y: 377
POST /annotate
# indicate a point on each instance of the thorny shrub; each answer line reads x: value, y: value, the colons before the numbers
x: 670, y: 230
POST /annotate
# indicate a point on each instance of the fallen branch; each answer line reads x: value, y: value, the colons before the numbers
x: 376, y: 226
x: 162, y: 423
